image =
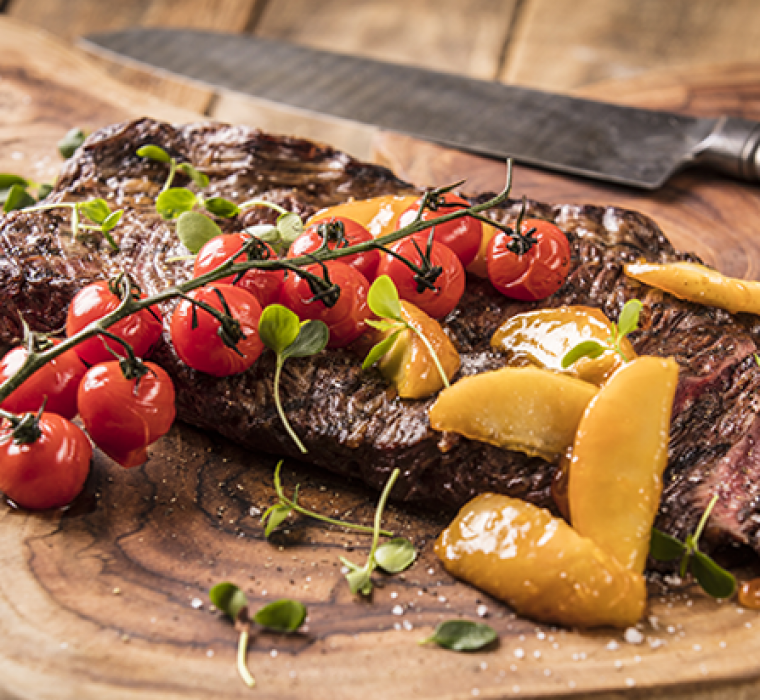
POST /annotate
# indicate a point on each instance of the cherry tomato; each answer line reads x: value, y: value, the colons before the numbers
x: 196, y: 336
x: 352, y: 233
x: 46, y: 473
x: 347, y: 318
x: 123, y: 416
x: 449, y: 286
x: 55, y: 383
x: 534, y: 275
x: 461, y: 235
x: 141, y: 330
x: 263, y: 284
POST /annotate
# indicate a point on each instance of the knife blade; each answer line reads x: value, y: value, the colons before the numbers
x: 624, y: 145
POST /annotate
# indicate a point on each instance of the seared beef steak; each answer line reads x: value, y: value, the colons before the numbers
x: 350, y: 419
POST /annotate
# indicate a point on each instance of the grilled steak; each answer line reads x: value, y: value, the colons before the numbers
x: 349, y: 419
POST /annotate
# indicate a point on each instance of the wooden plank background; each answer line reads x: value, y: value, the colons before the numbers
x: 559, y: 45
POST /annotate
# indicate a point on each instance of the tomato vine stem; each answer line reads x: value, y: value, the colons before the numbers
x: 130, y: 305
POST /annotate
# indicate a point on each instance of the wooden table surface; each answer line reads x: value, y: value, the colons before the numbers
x: 560, y: 45
x: 101, y: 603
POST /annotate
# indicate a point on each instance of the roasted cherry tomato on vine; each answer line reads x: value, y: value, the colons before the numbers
x: 462, y: 235
x: 55, y: 383
x: 340, y: 232
x: 347, y: 318
x: 535, y: 274
x: 124, y: 415
x: 141, y: 330
x: 205, y: 344
x: 448, y: 286
x: 263, y: 284
x: 48, y: 472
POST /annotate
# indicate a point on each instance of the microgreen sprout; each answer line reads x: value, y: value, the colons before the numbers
x: 714, y: 579
x: 96, y: 210
x: 288, y: 227
x: 281, y: 331
x: 462, y: 635
x: 384, y: 302
x: 397, y: 557
x: 627, y: 323
x: 158, y: 154
x: 72, y: 140
x: 280, y: 616
x: 275, y: 515
x: 15, y: 192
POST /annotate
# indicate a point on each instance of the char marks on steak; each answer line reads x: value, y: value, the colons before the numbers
x: 349, y: 419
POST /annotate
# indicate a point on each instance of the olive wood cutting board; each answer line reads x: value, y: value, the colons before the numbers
x: 109, y: 598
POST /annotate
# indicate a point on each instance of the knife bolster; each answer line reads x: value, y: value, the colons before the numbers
x: 732, y: 147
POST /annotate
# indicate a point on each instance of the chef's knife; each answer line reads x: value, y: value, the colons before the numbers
x: 617, y: 144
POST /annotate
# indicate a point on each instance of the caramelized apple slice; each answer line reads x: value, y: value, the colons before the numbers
x: 619, y: 454
x: 699, y: 284
x: 479, y: 266
x: 378, y: 215
x: 539, y: 565
x: 518, y: 408
x: 544, y: 337
x: 409, y: 364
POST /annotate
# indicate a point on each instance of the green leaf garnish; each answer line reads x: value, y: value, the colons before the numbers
x: 628, y: 322
x: 195, y: 230
x: 153, y: 152
x: 278, y: 327
x: 664, y: 547
x: 588, y: 348
x: 312, y: 338
x: 281, y: 331
x: 291, y: 505
x: 462, y: 635
x: 7, y: 180
x: 396, y: 555
x: 112, y: 220
x: 380, y: 349
x: 281, y: 616
x: 96, y: 210
x: 360, y: 577
x: 229, y: 599
x: 713, y: 579
x: 175, y: 201
x: 383, y: 301
x: 17, y: 198
x: 223, y: 208
x: 629, y: 317
x: 68, y: 145
x: 43, y: 190
x: 158, y: 154
x: 289, y: 226
x: 233, y: 603
x: 200, y: 179
x: 274, y: 516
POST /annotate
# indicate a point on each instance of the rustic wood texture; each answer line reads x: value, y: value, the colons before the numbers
x: 468, y: 37
x: 74, y: 18
x: 561, y: 46
x: 109, y: 598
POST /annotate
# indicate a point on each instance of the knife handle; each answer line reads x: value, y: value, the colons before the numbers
x: 733, y: 147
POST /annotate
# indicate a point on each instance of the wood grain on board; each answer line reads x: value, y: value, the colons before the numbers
x: 109, y: 599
